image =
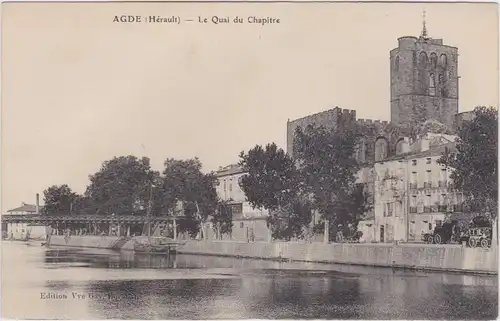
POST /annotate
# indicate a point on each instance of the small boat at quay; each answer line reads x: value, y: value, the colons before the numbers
x: 158, y: 245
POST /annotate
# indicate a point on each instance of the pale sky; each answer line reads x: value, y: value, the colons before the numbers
x: 78, y: 89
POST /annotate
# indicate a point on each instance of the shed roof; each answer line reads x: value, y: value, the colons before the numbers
x: 27, y: 208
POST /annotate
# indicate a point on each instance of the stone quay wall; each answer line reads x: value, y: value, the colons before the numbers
x: 89, y: 241
x: 454, y: 258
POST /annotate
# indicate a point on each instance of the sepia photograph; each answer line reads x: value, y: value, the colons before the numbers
x: 249, y: 160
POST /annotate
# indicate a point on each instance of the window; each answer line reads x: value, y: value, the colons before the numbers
x: 397, y: 208
x: 224, y: 184
x: 432, y: 84
x: 433, y: 60
x: 241, y: 225
x: 438, y: 222
x: 443, y: 61
x: 237, y: 208
x: 430, y: 226
x: 443, y: 177
x: 428, y: 161
x: 230, y: 186
x: 441, y: 79
x: 423, y: 59
x: 442, y: 87
x: 396, y: 64
x: 413, y: 180
x: 427, y: 204
x: 413, y: 200
x: 414, y: 162
x: 428, y: 175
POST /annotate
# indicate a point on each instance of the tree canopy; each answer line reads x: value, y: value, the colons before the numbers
x: 328, y: 167
x: 273, y: 182
x: 474, y: 163
x: 59, y: 199
x: 121, y: 186
x: 271, y: 179
x: 183, y: 181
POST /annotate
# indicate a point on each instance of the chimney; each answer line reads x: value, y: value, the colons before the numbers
x: 37, y: 210
x: 424, y: 145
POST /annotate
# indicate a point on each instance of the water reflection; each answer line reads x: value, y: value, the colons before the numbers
x: 124, y: 285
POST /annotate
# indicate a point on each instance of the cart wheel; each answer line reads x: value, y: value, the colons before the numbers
x: 485, y: 243
x: 437, y: 239
x: 429, y: 239
x: 472, y: 242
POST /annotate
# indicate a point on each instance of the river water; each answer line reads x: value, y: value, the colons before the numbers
x: 64, y: 283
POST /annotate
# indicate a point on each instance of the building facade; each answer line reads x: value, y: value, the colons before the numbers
x: 249, y: 224
x: 413, y: 192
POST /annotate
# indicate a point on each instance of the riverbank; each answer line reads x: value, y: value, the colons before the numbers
x: 449, y: 258
x: 429, y: 257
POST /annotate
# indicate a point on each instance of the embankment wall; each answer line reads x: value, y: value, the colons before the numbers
x: 99, y: 242
x: 414, y: 256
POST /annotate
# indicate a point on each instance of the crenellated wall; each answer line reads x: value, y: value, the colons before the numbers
x: 330, y: 119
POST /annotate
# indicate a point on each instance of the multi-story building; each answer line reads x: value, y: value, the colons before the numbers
x: 413, y: 192
x: 248, y: 223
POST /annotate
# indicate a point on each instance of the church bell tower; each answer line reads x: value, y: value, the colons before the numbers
x: 424, y: 80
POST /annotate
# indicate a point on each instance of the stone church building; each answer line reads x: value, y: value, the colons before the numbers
x: 424, y: 84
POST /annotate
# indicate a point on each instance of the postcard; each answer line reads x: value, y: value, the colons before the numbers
x: 249, y: 160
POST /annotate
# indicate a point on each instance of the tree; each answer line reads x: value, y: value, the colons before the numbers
x: 223, y: 218
x: 291, y: 220
x: 328, y: 168
x: 271, y: 179
x: 273, y: 182
x: 59, y: 199
x: 121, y: 186
x: 474, y: 163
x: 183, y: 181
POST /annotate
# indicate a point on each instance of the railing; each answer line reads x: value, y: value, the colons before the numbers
x: 413, y: 209
x: 442, y: 184
x: 427, y: 184
x: 458, y: 208
x: 427, y: 209
x: 413, y: 185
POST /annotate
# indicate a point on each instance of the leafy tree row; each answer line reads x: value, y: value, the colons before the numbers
x: 321, y: 177
x: 127, y: 185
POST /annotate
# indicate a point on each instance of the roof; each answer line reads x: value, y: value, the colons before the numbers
x: 28, y: 208
x: 435, y: 150
x: 29, y: 218
x: 229, y: 170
